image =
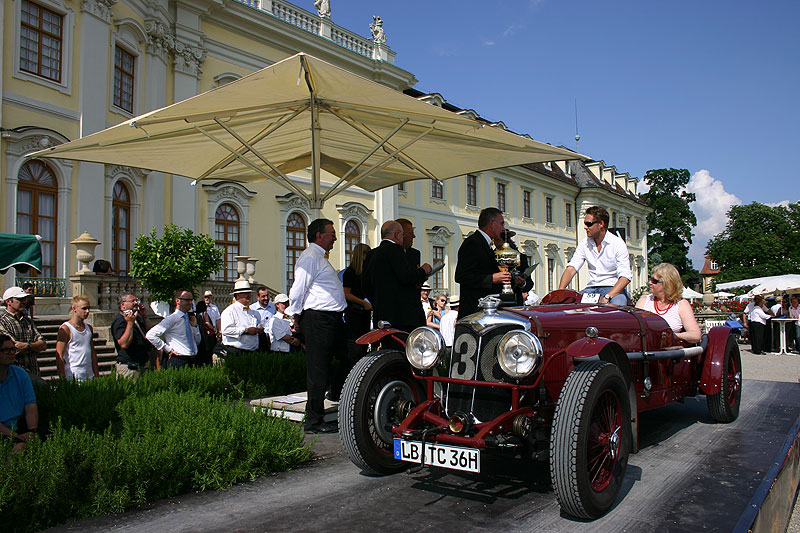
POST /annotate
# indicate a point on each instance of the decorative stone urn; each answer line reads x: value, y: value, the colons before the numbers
x: 251, y: 269
x: 241, y: 266
x: 85, y: 244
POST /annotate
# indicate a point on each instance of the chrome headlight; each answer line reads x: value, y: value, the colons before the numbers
x: 424, y: 348
x: 519, y: 353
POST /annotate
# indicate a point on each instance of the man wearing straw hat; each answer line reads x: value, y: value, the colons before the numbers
x: 240, y: 326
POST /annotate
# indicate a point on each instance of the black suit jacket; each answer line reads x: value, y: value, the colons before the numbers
x: 414, y: 257
x: 390, y: 282
x: 476, y: 264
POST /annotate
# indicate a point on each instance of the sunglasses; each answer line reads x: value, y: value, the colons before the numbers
x: 590, y: 224
x: 655, y: 281
x: 8, y: 350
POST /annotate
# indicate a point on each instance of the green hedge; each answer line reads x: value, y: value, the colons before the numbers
x: 268, y: 374
x: 116, y: 443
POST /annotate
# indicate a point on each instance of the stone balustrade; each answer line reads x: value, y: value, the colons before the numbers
x: 323, y: 27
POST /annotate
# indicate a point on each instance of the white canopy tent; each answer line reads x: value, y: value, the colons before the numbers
x: 303, y: 112
x: 755, y: 281
x: 690, y: 294
x: 723, y: 294
x: 788, y: 283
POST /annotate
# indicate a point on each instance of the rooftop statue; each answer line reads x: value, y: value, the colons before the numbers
x: 323, y: 8
x: 378, y: 35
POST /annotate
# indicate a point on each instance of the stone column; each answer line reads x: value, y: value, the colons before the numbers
x: 93, y: 101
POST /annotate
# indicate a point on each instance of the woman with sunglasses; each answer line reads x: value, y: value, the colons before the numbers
x: 438, y: 310
x: 665, y: 300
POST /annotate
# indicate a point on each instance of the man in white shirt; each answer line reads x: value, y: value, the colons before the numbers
x: 177, y: 336
x: 447, y: 327
x: 265, y: 310
x: 317, y: 303
x: 280, y: 328
x: 607, y: 257
x: 240, y: 325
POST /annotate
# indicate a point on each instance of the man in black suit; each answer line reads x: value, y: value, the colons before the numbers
x: 390, y: 282
x: 477, y: 272
x: 413, y: 255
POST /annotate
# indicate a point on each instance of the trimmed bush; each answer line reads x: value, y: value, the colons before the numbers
x: 169, y: 443
x: 268, y: 374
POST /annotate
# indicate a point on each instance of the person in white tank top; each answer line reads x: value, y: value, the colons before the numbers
x: 75, y: 354
x: 665, y: 300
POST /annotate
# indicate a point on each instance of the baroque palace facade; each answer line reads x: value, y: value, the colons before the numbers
x: 74, y: 67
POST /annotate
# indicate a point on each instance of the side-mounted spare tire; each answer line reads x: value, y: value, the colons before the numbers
x: 590, y: 440
x: 373, y: 395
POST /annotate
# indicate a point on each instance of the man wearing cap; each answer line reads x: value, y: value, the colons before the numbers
x: 239, y: 324
x: 177, y: 336
x: 607, y: 258
x: 280, y: 328
x: 317, y: 300
x: 212, y: 312
x: 477, y: 272
x: 424, y: 298
x: 447, y: 327
x: 393, y: 282
x: 15, y: 323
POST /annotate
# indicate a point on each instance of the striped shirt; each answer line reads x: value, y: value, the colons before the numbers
x: 21, y: 329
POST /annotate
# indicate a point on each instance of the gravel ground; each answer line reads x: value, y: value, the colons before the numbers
x: 773, y: 367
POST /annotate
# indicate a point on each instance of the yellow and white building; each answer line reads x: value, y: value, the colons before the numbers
x: 73, y: 67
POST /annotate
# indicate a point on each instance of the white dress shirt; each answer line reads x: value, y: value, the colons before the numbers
x: 265, y: 313
x: 316, y: 284
x: 447, y: 327
x: 794, y: 312
x: 170, y: 335
x: 213, y: 313
x: 233, y: 323
x: 606, y: 266
x: 757, y: 314
x: 279, y: 327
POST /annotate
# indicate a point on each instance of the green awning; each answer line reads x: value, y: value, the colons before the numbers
x: 22, y: 252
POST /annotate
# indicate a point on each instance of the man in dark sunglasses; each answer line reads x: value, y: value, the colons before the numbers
x: 606, y: 256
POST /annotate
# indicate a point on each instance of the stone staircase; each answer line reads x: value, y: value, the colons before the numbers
x: 48, y: 326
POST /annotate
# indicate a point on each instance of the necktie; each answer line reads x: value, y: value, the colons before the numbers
x: 189, y: 335
x: 246, y: 307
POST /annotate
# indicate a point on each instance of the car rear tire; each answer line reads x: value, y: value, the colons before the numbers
x: 590, y: 440
x: 368, y: 410
x: 724, y: 405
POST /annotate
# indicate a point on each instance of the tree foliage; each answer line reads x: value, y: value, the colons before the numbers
x: 671, y: 222
x: 178, y: 259
x: 758, y: 240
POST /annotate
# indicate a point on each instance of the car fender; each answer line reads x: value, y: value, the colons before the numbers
x: 603, y: 349
x: 713, y: 362
x: 377, y: 334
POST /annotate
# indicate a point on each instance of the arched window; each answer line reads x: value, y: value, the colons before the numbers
x: 352, y: 236
x: 295, y: 244
x: 121, y: 228
x: 37, y: 209
x: 226, y: 229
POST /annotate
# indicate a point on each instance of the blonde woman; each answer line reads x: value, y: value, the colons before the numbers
x: 438, y: 310
x: 358, y: 311
x: 665, y: 300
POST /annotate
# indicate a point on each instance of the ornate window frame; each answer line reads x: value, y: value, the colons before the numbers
x: 351, y: 211
x: 441, y: 236
x: 68, y: 26
x: 133, y: 178
x: 290, y: 203
x: 436, y: 199
x: 19, y: 144
x: 130, y: 37
x: 235, y: 194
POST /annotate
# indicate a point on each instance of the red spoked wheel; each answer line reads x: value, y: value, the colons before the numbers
x: 724, y: 406
x: 590, y: 440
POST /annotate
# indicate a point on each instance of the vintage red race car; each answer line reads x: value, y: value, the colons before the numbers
x: 563, y: 381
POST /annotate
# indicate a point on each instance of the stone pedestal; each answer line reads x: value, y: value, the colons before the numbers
x: 88, y: 284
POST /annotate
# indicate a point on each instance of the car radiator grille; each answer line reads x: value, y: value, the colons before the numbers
x: 474, y: 357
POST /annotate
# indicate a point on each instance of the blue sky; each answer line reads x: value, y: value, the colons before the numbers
x: 710, y: 86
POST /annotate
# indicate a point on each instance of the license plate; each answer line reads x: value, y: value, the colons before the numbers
x: 590, y: 298
x: 454, y: 457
